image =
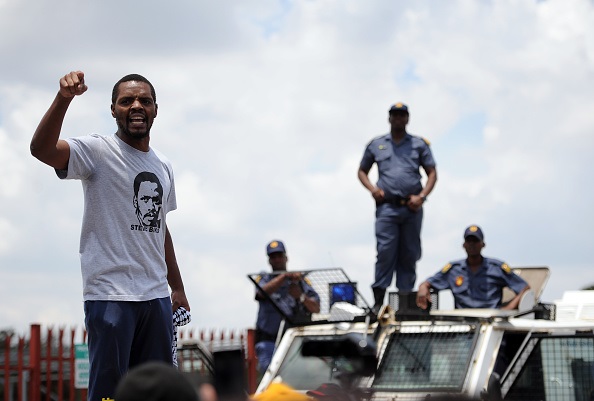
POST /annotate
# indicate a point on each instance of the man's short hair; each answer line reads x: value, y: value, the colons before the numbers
x: 128, y: 78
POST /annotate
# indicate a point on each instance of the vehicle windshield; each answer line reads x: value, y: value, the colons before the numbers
x: 425, y: 358
x: 307, y: 373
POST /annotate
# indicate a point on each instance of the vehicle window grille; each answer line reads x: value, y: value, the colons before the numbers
x: 431, y: 357
x: 349, y: 305
x: 555, y: 368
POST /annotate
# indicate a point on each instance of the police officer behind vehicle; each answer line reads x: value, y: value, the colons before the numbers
x: 291, y: 292
x: 477, y: 281
x: 399, y: 197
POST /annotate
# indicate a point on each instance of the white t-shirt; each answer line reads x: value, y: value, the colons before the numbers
x: 127, y: 194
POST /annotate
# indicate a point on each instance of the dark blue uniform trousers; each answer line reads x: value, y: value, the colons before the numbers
x: 398, y: 234
x: 122, y: 335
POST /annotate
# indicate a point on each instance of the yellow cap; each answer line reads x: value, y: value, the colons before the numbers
x: 280, y: 392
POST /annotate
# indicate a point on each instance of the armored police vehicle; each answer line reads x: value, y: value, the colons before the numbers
x: 539, y: 352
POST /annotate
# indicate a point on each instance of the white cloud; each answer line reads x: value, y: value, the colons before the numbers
x: 265, y: 109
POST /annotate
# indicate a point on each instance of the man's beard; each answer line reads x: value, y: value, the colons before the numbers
x: 137, y: 135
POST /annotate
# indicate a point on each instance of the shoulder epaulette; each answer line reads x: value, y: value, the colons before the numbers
x: 307, y: 281
x: 505, y: 267
x: 446, y: 268
x: 426, y: 141
x: 258, y: 278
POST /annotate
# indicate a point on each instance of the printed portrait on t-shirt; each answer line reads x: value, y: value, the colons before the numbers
x: 148, y: 199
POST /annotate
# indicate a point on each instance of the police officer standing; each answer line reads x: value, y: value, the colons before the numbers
x: 290, y: 291
x: 399, y: 197
x: 477, y: 281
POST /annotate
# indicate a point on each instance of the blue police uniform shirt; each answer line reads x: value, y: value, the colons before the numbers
x: 268, y: 317
x: 482, y: 289
x: 398, y: 163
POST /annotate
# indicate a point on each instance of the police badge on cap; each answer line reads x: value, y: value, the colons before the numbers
x: 474, y: 231
x: 275, y: 246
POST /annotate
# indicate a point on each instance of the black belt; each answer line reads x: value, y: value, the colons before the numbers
x: 396, y: 200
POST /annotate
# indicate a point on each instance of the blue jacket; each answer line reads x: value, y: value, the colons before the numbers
x: 268, y: 317
x: 480, y: 290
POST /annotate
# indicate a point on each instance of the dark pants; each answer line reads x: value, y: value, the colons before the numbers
x: 122, y: 335
x: 398, y: 234
x: 264, y: 352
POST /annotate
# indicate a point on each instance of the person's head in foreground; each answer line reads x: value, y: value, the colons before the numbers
x: 155, y: 381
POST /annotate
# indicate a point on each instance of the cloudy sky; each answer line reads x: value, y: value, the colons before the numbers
x: 265, y: 108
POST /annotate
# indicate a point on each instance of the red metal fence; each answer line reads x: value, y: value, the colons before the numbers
x: 42, y: 367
